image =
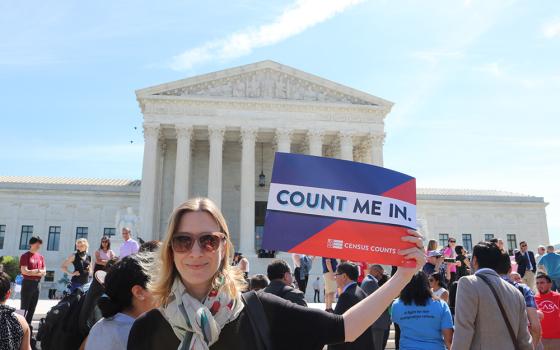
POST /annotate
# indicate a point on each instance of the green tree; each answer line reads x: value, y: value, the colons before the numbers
x: 11, y: 266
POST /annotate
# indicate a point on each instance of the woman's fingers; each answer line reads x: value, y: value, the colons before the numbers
x: 410, y: 251
x: 414, y: 233
x: 414, y: 254
x: 418, y: 256
x: 416, y: 240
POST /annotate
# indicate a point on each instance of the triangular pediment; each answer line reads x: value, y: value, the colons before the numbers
x: 266, y: 80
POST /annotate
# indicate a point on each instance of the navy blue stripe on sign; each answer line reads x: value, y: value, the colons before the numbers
x: 334, y: 174
x: 283, y: 231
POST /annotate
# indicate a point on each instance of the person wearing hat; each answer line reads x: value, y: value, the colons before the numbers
x: 434, y: 263
x: 32, y: 266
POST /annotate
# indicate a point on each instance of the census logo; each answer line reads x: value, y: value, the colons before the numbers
x: 335, y: 244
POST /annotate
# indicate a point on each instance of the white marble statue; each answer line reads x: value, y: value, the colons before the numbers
x: 128, y: 219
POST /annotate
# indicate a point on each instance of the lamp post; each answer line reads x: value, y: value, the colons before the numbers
x: 262, y: 176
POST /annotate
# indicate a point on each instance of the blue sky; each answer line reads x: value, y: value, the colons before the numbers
x: 476, y: 84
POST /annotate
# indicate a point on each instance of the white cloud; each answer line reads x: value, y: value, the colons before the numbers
x: 552, y: 29
x: 437, y: 55
x: 295, y: 19
x: 495, y: 69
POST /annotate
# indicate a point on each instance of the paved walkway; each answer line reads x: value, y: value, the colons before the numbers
x: 43, y: 306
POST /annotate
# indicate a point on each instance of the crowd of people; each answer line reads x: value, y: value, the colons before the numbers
x: 191, y: 291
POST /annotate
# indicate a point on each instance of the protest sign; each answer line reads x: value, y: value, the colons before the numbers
x: 339, y: 209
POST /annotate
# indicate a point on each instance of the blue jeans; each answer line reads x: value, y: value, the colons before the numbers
x: 74, y: 285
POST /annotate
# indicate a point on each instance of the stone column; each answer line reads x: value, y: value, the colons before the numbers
x: 216, y: 139
x: 346, y: 145
x: 182, y: 164
x: 247, y: 209
x: 283, y: 139
x: 376, y: 144
x: 148, y: 188
x: 315, y: 139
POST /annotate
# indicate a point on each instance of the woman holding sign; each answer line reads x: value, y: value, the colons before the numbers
x: 203, y: 306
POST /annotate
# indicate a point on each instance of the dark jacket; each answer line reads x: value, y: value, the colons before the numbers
x: 346, y: 300
x: 523, y: 262
x: 370, y: 285
x: 280, y: 289
x: 152, y: 331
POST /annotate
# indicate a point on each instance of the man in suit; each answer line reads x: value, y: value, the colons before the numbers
x: 380, y: 328
x: 346, y: 277
x: 526, y: 265
x: 479, y: 323
x: 281, y: 281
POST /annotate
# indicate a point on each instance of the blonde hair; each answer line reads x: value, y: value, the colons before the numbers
x: 227, y: 278
x: 432, y: 245
x: 82, y: 241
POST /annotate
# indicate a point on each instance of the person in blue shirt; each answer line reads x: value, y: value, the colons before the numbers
x: 425, y: 321
x: 550, y: 263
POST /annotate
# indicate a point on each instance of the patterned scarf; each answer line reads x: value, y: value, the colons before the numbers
x: 198, y: 325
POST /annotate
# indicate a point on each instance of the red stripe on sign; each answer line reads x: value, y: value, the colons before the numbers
x: 405, y: 192
x: 358, y: 241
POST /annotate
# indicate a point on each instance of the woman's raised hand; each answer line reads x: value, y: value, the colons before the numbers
x: 415, y: 253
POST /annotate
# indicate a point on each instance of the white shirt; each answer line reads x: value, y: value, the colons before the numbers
x: 316, y: 285
x: 128, y: 248
x: 438, y: 293
x: 110, y: 333
x: 348, y: 286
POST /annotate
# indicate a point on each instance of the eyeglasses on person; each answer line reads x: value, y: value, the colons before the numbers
x: 207, y: 241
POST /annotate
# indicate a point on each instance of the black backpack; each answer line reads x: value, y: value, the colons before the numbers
x: 60, y: 329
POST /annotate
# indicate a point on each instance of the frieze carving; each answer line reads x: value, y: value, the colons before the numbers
x: 266, y: 84
x: 209, y: 108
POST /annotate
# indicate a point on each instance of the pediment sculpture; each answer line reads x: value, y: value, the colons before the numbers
x: 266, y: 84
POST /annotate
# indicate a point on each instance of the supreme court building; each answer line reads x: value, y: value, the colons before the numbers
x: 215, y: 135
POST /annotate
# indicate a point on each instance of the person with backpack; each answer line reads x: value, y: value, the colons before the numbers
x: 14, y: 330
x: 126, y: 298
x: 203, y: 306
x: 81, y: 261
x: 281, y: 281
x: 68, y: 323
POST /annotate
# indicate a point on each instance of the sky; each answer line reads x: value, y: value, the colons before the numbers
x: 476, y: 84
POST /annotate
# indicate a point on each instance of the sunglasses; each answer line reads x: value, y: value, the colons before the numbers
x: 208, y: 241
x: 452, y: 241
